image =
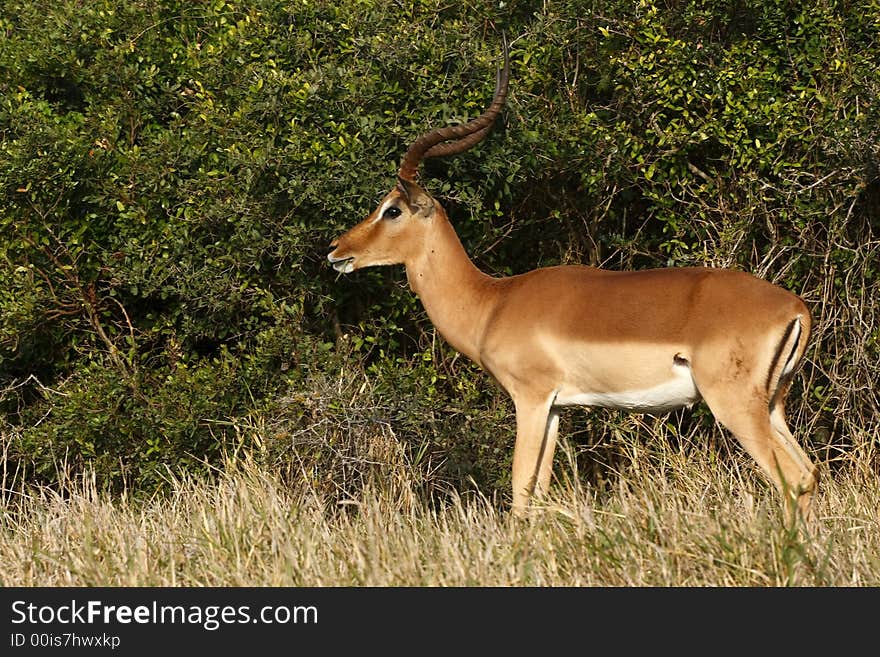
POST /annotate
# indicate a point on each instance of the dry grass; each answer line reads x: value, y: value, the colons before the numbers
x: 667, y: 518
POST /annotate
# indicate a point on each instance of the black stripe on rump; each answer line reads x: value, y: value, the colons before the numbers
x: 775, y: 362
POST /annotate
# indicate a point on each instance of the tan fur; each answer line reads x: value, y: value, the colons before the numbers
x: 576, y: 332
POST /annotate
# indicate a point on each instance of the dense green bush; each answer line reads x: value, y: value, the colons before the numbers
x: 171, y: 173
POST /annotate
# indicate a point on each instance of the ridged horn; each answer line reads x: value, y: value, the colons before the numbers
x: 431, y: 144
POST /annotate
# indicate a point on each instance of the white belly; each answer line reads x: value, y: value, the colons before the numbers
x: 677, y: 391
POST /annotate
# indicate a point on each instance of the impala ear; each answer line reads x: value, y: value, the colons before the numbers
x: 417, y: 199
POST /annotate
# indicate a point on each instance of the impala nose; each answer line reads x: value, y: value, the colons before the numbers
x: 343, y: 265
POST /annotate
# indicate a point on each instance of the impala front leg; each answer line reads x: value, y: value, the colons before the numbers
x: 537, y: 425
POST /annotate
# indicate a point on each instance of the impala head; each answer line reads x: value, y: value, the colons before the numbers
x: 396, y: 230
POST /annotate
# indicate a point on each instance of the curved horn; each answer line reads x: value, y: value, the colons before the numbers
x: 431, y: 143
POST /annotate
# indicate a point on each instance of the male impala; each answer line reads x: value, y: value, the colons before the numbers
x: 643, y: 341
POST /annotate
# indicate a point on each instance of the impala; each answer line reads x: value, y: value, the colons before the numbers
x: 643, y: 341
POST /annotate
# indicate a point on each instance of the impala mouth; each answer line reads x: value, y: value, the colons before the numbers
x: 342, y: 265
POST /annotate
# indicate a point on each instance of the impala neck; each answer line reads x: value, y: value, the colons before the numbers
x: 456, y: 295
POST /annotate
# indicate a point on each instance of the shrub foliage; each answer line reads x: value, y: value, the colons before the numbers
x: 171, y: 173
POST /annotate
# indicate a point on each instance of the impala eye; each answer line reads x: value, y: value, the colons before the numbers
x: 391, y: 212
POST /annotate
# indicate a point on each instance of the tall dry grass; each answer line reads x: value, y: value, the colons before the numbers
x: 669, y: 516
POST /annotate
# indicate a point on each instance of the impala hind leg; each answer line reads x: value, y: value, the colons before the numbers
x: 537, y: 426
x: 765, y: 436
x: 810, y: 473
